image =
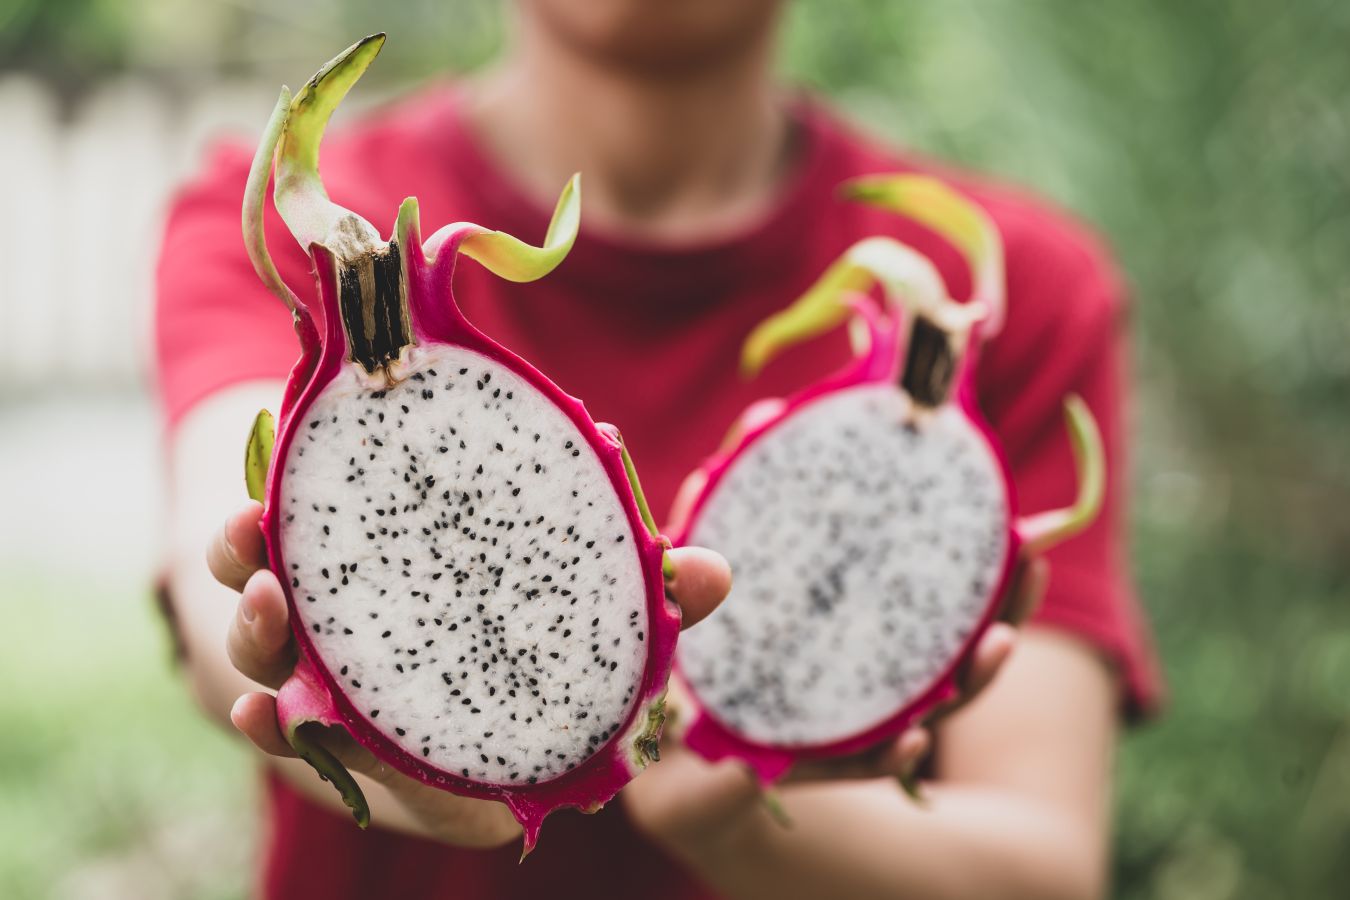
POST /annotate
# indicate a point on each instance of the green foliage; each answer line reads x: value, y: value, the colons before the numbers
x: 114, y: 784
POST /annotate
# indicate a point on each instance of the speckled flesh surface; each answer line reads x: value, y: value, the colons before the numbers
x: 865, y: 545
x: 463, y: 567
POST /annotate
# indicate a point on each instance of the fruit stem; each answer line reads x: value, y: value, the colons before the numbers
x: 373, y: 299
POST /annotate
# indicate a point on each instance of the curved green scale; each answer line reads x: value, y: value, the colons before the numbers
x: 330, y: 770
x: 909, y: 279
x: 255, y: 200
x: 1042, y: 531
x: 258, y: 455
x: 513, y: 259
x: 964, y: 223
x: 645, y: 511
x: 299, y: 194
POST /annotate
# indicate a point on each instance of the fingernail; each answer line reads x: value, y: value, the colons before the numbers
x: 246, y: 609
x: 237, y: 712
x: 228, y: 546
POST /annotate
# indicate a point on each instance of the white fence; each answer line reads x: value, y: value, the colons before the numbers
x: 82, y: 198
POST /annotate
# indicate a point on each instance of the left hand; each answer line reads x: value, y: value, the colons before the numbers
x: 261, y: 647
x: 686, y: 803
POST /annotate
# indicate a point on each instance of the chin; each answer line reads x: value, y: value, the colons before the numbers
x: 658, y: 36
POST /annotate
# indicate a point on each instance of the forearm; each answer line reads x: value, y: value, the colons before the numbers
x: 868, y: 840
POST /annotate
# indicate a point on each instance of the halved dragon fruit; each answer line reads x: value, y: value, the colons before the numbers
x: 870, y: 520
x: 474, y: 580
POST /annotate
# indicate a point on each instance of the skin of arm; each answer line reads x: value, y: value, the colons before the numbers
x: 1018, y: 811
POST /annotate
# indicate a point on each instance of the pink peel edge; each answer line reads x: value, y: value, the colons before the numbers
x: 609, y: 766
x: 880, y: 363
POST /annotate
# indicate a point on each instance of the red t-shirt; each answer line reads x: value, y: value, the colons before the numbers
x: 649, y: 337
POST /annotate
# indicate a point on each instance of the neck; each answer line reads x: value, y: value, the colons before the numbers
x: 667, y: 156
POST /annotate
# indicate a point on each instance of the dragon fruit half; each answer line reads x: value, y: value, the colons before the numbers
x: 870, y: 520
x: 474, y: 581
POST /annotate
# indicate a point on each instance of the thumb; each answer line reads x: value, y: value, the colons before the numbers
x: 701, y: 582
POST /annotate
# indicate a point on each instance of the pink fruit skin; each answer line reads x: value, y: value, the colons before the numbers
x: 879, y: 364
x: 312, y: 693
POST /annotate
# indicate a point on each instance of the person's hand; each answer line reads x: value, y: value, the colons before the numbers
x: 689, y: 804
x: 261, y: 647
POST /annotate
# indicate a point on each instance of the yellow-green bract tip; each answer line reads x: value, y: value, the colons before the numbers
x: 258, y: 455
x: 299, y: 194
x: 1042, y: 531
x: 255, y: 200
x: 812, y: 314
x: 314, y: 103
x: 515, y: 260
x: 958, y: 219
x: 909, y: 279
x: 1089, y: 458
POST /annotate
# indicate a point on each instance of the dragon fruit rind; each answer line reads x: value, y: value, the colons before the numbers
x: 870, y: 520
x: 474, y: 581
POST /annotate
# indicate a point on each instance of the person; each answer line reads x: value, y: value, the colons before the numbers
x: 710, y: 203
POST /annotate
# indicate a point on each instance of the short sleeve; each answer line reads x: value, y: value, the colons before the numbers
x: 215, y: 323
x: 1066, y: 334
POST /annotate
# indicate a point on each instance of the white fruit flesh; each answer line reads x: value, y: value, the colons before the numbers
x: 464, y: 568
x: 864, y: 551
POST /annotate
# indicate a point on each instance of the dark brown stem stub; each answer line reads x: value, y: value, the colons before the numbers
x: 374, y: 307
x: 930, y: 363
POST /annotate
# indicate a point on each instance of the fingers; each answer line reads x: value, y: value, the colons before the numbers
x: 1028, y: 588
x: 903, y: 756
x: 255, y: 715
x: 702, y: 580
x: 895, y: 759
x: 997, y: 643
x: 993, y: 650
x: 259, y: 639
x: 236, y: 552
x: 466, y: 822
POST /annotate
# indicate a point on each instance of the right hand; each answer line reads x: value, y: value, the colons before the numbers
x: 261, y: 647
x: 698, y: 809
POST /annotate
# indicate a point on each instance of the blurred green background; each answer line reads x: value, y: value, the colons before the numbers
x: 1209, y: 140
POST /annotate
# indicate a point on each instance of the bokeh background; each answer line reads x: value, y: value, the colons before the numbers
x: 1210, y: 140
